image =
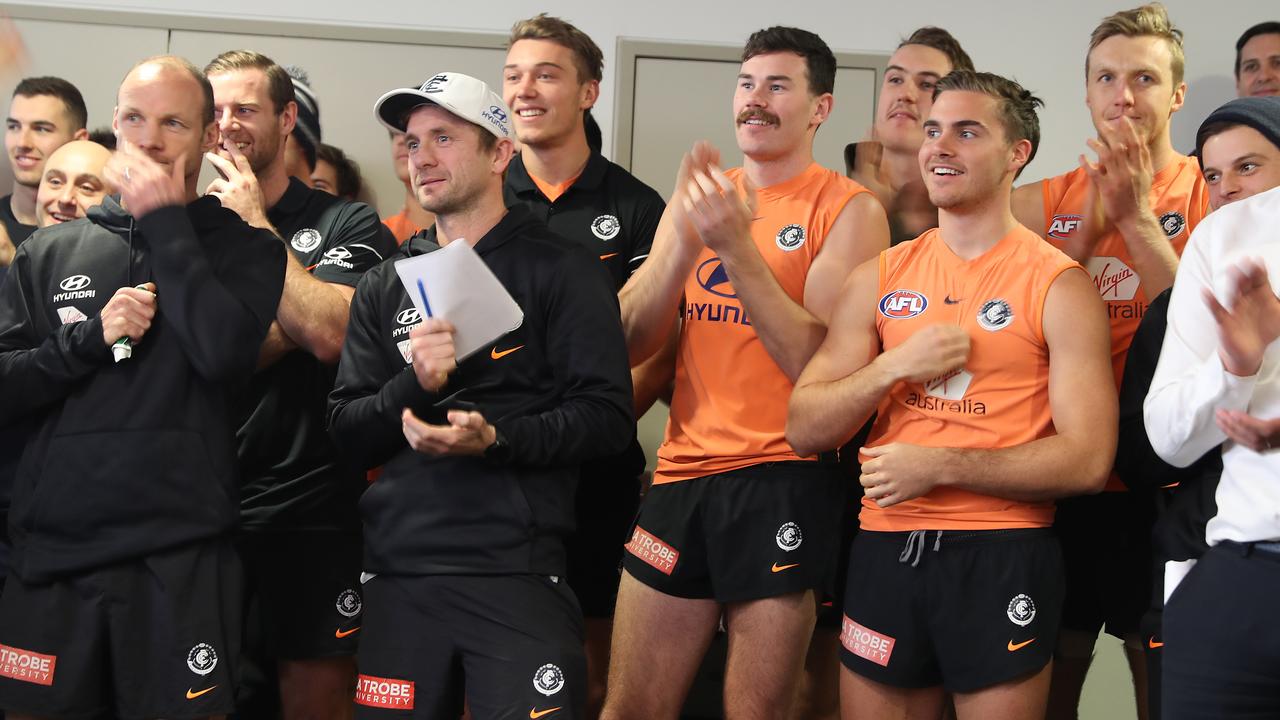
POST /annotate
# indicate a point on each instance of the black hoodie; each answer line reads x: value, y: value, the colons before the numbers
x: 129, y: 458
x: 558, y: 389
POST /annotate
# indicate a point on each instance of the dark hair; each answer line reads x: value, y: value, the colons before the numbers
x: 586, y: 54
x: 1262, y: 28
x: 182, y: 64
x: 819, y: 61
x: 56, y: 87
x: 104, y: 136
x: 1150, y: 20
x: 350, y: 184
x: 942, y: 41
x: 1017, y: 104
x: 595, y: 138
x: 279, y: 84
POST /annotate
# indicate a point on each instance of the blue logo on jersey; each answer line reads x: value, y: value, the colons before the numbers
x: 713, y: 278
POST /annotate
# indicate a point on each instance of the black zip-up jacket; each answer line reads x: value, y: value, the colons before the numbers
x: 558, y: 389
x: 127, y: 459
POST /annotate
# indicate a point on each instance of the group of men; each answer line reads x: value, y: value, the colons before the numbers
x: 246, y: 469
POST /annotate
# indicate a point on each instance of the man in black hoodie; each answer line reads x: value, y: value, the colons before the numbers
x: 464, y: 528
x: 124, y: 595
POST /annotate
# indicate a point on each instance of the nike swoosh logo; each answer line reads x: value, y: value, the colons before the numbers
x: 340, y: 633
x: 535, y: 714
x: 1014, y: 647
x: 194, y: 695
x: 499, y: 355
x: 949, y: 301
x: 1153, y: 644
x: 780, y: 568
x: 606, y: 257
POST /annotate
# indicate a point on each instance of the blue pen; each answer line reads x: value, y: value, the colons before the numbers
x: 422, y: 291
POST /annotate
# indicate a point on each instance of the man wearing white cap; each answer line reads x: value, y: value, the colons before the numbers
x: 464, y: 529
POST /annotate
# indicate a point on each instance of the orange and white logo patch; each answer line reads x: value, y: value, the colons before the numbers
x: 866, y: 643
x: 653, y: 550
x: 381, y: 692
x: 26, y: 665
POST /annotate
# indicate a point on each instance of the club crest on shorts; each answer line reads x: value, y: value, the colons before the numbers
x: 548, y: 680
x: 202, y: 659
x: 790, y: 237
x: 995, y: 315
x: 606, y: 227
x: 1021, y: 610
x: 349, y: 603
x: 1173, y: 223
x: 306, y: 240
x: 789, y: 536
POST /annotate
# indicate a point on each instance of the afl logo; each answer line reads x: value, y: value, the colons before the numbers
x: 349, y: 604
x: 903, y: 304
x: 714, y: 279
x: 75, y: 282
x: 1063, y: 226
x: 790, y: 237
x: 606, y: 227
x: 306, y: 240
x: 409, y: 317
x: 1172, y: 223
x: 202, y: 659
x: 789, y: 536
x: 548, y: 680
x: 1021, y: 610
x: 995, y: 315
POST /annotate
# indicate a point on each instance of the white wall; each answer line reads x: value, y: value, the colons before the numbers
x: 1040, y: 44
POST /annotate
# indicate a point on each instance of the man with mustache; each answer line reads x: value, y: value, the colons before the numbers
x: 737, y: 524
x: 1125, y: 218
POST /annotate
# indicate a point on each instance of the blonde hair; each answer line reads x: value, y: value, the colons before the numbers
x: 1150, y: 20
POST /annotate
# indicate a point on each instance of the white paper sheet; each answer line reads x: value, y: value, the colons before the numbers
x: 454, y: 283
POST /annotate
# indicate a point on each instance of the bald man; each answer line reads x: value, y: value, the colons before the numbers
x: 120, y: 340
x: 72, y: 182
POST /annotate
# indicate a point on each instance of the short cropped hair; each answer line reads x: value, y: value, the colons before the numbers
x: 1150, y: 20
x: 56, y: 87
x: 1262, y: 28
x: 587, y: 57
x: 181, y: 64
x: 1017, y: 105
x: 942, y: 41
x: 279, y: 84
x: 819, y: 61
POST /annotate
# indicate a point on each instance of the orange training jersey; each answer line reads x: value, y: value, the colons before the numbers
x: 729, y: 408
x: 999, y: 399
x: 1179, y: 198
x: 401, y: 226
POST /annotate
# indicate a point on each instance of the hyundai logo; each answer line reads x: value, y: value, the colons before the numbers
x: 408, y: 317
x: 75, y: 282
x: 714, y: 279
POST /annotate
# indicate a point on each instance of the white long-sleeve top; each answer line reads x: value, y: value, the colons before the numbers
x: 1190, y: 383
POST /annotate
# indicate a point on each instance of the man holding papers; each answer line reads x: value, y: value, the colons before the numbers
x: 464, y: 552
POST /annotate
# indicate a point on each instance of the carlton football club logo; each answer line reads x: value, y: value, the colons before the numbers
x: 306, y: 240
x: 349, y: 603
x: 790, y: 237
x: 903, y: 304
x: 995, y: 315
x: 202, y: 659
x: 1173, y: 223
x: 548, y: 680
x: 789, y: 536
x: 1021, y: 610
x: 606, y: 227
x: 435, y: 84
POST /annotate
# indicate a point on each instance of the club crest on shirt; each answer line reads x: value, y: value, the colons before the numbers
x: 1173, y: 223
x: 790, y: 237
x: 306, y: 240
x: 995, y: 315
x: 606, y: 227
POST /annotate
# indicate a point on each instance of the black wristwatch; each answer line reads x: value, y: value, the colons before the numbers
x: 499, y: 451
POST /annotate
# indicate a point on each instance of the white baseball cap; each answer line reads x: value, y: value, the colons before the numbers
x: 462, y: 95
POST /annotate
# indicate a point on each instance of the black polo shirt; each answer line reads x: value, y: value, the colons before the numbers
x: 606, y: 210
x: 18, y: 232
x: 291, y: 478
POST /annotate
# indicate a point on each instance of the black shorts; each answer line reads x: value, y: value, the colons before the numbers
x: 759, y: 532
x: 1106, y: 552
x: 148, y: 638
x: 303, y: 592
x: 514, y: 642
x: 966, y: 611
x: 606, y: 508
